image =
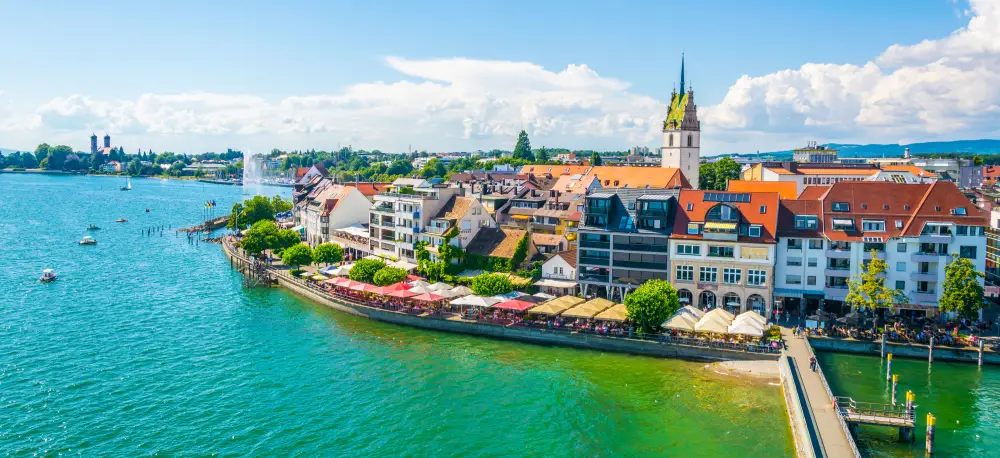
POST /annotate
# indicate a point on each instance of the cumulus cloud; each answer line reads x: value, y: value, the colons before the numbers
x: 452, y: 102
x: 943, y: 88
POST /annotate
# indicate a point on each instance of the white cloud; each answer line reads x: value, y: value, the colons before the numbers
x: 937, y: 89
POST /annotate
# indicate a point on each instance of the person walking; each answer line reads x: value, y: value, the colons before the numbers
x: 812, y: 363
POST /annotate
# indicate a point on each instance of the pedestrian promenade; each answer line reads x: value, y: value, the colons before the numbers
x: 832, y: 436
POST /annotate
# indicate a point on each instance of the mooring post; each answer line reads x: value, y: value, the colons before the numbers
x: 980, y: 352
x: 929, y: 445
x: 930, y: 352
x: 895, y: 379
x: 888, y: 368
x: 883, y: 344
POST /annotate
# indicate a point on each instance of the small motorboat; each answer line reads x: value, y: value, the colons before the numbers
x: 121, y: 220
x: 47, y: 276
x: 88, y: 240
x: 147, y: 210
x: 93, y: 228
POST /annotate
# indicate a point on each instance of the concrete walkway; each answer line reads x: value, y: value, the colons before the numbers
x: 825, y: 422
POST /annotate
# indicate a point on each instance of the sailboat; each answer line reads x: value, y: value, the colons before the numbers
x: 128, y: 184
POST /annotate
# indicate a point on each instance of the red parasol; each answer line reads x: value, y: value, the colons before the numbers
x: 396, y: 287
x: 400, y: 294
x: 515, y: 305
x: 410, y: 278
x: 359, y: 286
x: 427, y: 297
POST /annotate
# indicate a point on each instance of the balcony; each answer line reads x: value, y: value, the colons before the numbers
x: 594, y: 261
x: 839, y: 254
x: 436, y: 230
x: 651, y: 213
x: 837, y: 293
x: 584, y: 243
x: 924, y: 276
x: 383, y: 208
x: 935, y: 238
x: 837, y: 272
x: 641, y: 247
x: 662, y: 266
x: 878, y: 254
x: 600, y: 278
x: 925, y: 257
x: 923, y: 297
x: 409, y: 196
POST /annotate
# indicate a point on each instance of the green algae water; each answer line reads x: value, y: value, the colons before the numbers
x: 964, y: 398
x: 148, y: 345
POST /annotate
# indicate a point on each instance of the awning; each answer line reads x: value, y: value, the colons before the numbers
x: 718, y: 226
x: 588, y: 309
x: 524, y: 217
x: 843, y: 222
x: 558, y: 305
x: 555, y: 283
x: 872, y: 239
x: 616, y: 313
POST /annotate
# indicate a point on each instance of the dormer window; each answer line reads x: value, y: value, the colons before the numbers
x: 690, y: 206
x: 841, y: 207
x: 763, y: 209
x: 937, y: 208
x: 843, y: 224
x: 958, y: 211
x: 869, y: 225
x: 723, y: 212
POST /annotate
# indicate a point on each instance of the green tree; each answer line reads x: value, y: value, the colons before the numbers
x: 28, y: 161
x: 522, y: 149
x: 726, y: 169
x: 977, y: 160
x: 542, y: 155
x: 72, y: 163
x: 280, y: 205
x: 961, y: 291
x: 41, y: 152
x: 96, y: 160
x: 400, y: 167
x: 261, y: 236
x: 298, y: 255
x: 134, y: 167
x: 491, y: 284
x: 388, y: 275
x: 259, y: 208
x: 706, y: 176
x: 44, y: 164
x: 328, y: 253
x: 434, y: 168
x: 520, y: 251
x: 364, y: 270
x: 868, y: 289
x: 595, y: 159
x: 285, y: 239
x: 57, y: 156
x: 651, y: 304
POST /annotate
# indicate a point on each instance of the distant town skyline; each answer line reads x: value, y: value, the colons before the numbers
x: 449, y: 76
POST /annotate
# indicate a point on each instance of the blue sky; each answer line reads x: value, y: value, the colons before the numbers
x: 197, y: 76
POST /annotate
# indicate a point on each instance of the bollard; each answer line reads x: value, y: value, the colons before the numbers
x: 929, y: 445
x: 883, y: 344
x: 895, y: 379
x: 930, y: 352
x: 980, y: 353
x: 888, y: 368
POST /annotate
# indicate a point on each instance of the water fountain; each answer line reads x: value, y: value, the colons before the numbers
x: 253, y: 165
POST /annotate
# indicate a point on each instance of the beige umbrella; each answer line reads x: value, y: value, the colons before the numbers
x: 712, y: 323
x: 439, y: 286
x: 462, y: 290
x: 680, y: 322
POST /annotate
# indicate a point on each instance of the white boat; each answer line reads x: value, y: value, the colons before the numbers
x: 128, y: 184
x: 47, y: 276
x: 88, y: 240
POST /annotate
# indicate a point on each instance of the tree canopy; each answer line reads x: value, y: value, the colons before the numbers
x: 522, y: 149
x: 868, y: 289
x: 595, y: 159
x: 258, y: 208
x: 284, y: 239
x: 364, y: 270
x: 261, y: 236
x: 961, y: 291
x: 541, y: 155
x: 328, y: 253
x: 491, y: 284
x: 651, y: 304
x: 298, y: 255
x: 388, y: 275
x: 716, y: 175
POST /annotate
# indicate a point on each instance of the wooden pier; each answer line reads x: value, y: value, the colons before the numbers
x: 870, y: 413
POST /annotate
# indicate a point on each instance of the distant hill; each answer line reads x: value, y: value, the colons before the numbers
x: 889, y: 150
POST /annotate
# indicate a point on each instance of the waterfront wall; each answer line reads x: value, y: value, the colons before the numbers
x: 903, y: 350
x: 792, y: 391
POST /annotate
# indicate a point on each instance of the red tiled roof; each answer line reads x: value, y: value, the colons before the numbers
x: 749, y: 213
x: 813, y: 192
x: 369, y: 189
x: 785, y: 189
x: 569, y: 257
x: 301, y: 172
x: 789, y: 209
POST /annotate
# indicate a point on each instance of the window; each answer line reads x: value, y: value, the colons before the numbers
x: 899, y: 224
x: 763, y: 209
x: 732, y: 276
x: 900, y: 284
x: 841, y: 207
x: 879, y: 247
x: 631, y: 205
x: 900, y: 267
x: 962, y: 230
x: 793, y: 279
x: 756, y: 277
x: 720, y: 251
x: 806, y: 222
x: 690, y: 206
x: 754, y: 253
x: 693, y: 228
x: 901, y: 248
x: 694, y: 250
x: 813, y: 262
x: 811, y: 280
x: 843, y: 224
x: 967, y: 252
x: 815, y: 244
x: 958, y: 211
x: 690, y: 139
x: 708, y: 275
x: 794, y: 244
x: 685, y: 273
x: 794, y: 261
x: 870, y: 225
x: 754, y: 231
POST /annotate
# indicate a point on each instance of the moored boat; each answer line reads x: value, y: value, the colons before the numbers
x: 88, y: 240
x: 93, y: 228
x: 47, y: 276
x: 121, y: 220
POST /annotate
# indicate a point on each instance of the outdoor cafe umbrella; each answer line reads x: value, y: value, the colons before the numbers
x: 427, y: 297
x: 439, y: 286
x: 419, y: 283
x: 616, y: 313
x: 747, y: 327
x: 396, y: 287
x: 475, y: 301
x: 421, y: 289
x: 401, y: 294
x: 751, y: 315
x: 588, y: 309
x: 712, y: 323
x: 680, y: 321
x: 693, y: 311
x: 556, y: 306
x: 514, y: 305
x: 722, y: 313
x: 461, y: 290
x: 447, y: 293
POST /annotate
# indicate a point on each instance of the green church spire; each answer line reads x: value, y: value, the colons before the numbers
x: 682, y: 74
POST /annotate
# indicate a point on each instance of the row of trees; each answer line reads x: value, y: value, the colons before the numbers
x: 375, y: 272
x: 259, y: 208
x: 62, y: 157
x: 716, y: 175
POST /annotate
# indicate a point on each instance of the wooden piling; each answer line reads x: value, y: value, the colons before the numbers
x: 888, y: 368
x: 895, y: 379
x: 929, y: 444
x: 930, y: 352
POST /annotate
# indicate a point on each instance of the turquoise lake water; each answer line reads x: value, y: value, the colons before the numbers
x: 148, y: 345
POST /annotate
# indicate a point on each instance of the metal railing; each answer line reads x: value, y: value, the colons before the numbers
x: 829, y: 392
x: 847, y: 406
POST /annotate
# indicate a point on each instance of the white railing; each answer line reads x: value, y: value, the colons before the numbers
x: 829, y: 393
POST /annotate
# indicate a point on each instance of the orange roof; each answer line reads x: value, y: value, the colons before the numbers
x: 566, y: 184
x: 554, y: 170
x: 301, y: 172
x: 909, y: 168
x: 638, y: 177
x: 750, y: 212
x: 785, y: 189
x: 813, y: 192
x: 369, y: 189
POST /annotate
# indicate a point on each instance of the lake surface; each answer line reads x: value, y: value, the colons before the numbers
x: 148, y: 345
x: 964, y: 398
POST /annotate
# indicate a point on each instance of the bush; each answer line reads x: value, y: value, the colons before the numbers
x: 298, y: 255
x: 491, y: 284
x: 364, y: 270
x: 388, y: 275
x: 328, y: 253
x: 520, y: 251
x: 773, y: 333
x: 651, y: 304
x: 296, y: 272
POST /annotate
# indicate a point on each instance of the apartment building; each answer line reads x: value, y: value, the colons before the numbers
x: 808, y: 174
x: 329, y: 206
x: 401, y: 213
x: 914, y: 227
x: 722, y: 249
x: 623, y: 240
x: 466, y: 214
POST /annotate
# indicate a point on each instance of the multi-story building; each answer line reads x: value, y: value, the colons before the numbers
x: 815, y: 153
x: 330, y: 206
x: 807, y: 174
x: 915, y: 228
x: 465, y: 214
x: 623, y: 240
x: 399, y: 215
x: 802, y: 266
x: 722, y: 249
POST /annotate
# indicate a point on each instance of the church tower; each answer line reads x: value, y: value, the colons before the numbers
x: 107, y: 141
x: 681, y: 147
x: 93, y: 143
